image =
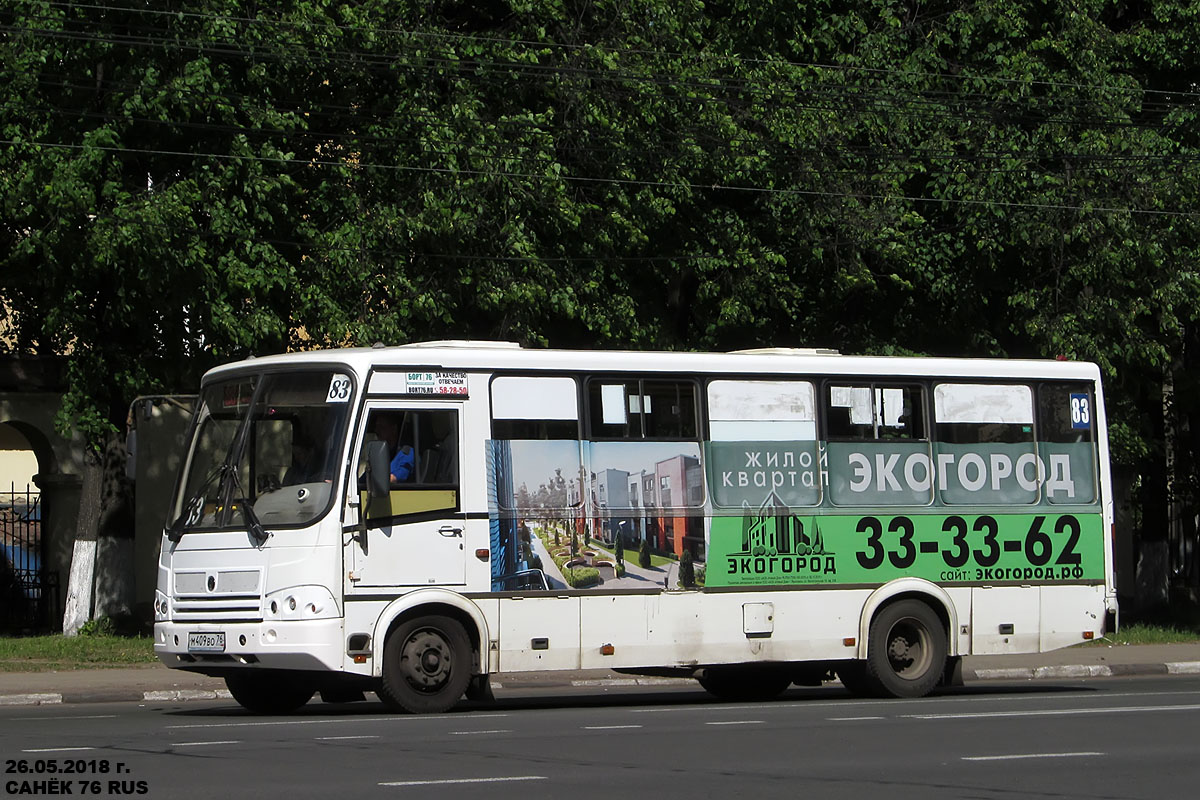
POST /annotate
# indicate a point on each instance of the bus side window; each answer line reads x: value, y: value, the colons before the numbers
x: 423, y: 456
x: 984, y: 441
x: 642, y: 409
x: 437, y: 460
x: 1065, y: 414
x: 875, y: 411
x: 837, y: 422
x: 535, y: 408
x: 1065, y: 430
x: 982, y: 413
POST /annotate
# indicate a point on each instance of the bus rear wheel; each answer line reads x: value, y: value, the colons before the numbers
x: 426, y: 665
x: 906, y: 652
x: 269, y: 691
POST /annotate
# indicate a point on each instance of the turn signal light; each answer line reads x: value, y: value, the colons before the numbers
x: 849, y: 641
x: 483, y: 554
x: 607, y: 649
x: 1089, y: 635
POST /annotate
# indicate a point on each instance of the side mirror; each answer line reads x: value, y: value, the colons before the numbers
x: 378, y: 470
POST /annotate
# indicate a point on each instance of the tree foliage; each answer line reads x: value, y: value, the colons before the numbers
x: 184, y: 183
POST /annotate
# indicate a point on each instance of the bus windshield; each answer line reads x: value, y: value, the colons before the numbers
x: 263, y: 448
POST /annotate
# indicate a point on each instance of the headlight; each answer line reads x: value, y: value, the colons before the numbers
x: 162, y: 608
x: 300, y: 602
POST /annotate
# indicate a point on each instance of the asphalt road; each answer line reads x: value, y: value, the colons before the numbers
x: 1096, y: 739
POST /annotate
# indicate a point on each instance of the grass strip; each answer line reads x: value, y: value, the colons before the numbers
x: 58, y: 652
x: 1136, y: 633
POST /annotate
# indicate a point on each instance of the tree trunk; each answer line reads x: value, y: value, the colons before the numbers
x: 115, y: 527
x: 78, y: 608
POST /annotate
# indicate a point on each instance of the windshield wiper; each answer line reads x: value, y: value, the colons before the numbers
x: 193, y: 509
x: 230, y: 479
x: 253, y: 525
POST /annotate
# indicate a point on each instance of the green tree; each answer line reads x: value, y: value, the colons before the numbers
x: 182, y: 186
x: 644, y: 554
x: 687, y: 570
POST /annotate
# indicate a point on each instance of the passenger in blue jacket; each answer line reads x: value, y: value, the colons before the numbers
x: 401, y: 455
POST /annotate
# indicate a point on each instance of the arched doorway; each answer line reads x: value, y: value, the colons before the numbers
x: 29, y: 586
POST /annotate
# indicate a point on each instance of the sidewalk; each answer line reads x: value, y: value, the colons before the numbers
x: 156, y: 683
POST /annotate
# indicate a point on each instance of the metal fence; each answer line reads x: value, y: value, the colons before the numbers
x: 28, y: 589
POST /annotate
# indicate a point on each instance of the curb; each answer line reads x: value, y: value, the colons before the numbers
x: 1005, y: 674
x: 177, y: 695
x: 1088, y: 671
x: 110, y: 696
x: 32, y: 699
x: 607, y: 682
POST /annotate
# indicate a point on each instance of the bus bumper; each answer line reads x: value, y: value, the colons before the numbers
x: 218, y: 648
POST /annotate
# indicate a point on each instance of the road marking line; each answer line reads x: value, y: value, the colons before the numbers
x: 478, y: 733
x: 843, y: 703
x: 1087, y: 754
x: 395, y: 718
x: 738, y: 722
x: 465, y: 780
x: 850, y: 719
x: 203, y: 744
x: 1062, y: 712
x: 340, y: 738
x: 58, y: 749
x: 702, y: 707
x: 52, y: 719
x: 608, y: 727
x: 782, y: 706
x: 285, y: 722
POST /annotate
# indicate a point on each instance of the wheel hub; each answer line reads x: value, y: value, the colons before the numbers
x: 908, y: 649
x: 426, y: 660
x: 898, y: 651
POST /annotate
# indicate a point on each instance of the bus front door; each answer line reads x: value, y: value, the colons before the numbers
x: 413, y: 536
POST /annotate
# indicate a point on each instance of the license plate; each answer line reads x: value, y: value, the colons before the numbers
x: 205, y: 642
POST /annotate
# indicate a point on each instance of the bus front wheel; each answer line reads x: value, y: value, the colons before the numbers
x: 426, y: 665
x: 269, y: 691
x: 906, y: 652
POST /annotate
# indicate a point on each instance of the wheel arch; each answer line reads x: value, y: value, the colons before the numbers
x: 909, y: 588
x: 424, y: 602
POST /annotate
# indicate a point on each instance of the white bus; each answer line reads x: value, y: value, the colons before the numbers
x: 410, y: 520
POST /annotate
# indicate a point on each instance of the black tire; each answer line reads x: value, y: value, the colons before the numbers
x: 744, y: 683
x: 426, y: 665
x: 479, y: 689
x: 269, y: 691
x: 906, y: 652
x: 853, y: 675
x: 811, y: 676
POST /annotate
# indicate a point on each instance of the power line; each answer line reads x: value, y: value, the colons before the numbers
x: 508, y: 150
x: 463, y: 37
x: 825, y: 98
x: 360, y: 250
x: 53, y: 81
x: 827, y: 105
x: 621, y: 181
x: 574, y: 71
